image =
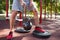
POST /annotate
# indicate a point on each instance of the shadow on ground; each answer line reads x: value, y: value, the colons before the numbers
x: 52, y: 26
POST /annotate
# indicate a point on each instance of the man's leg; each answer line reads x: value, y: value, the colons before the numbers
x: 36, y: 19
x: 39, y: 32
x: 12, y: 20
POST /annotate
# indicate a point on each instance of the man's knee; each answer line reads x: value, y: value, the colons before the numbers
x: 34, y: 10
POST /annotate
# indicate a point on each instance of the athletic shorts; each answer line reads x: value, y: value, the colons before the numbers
x: 18, y: 7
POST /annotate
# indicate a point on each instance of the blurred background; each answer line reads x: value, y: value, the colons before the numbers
x: 49, y: 7
x: 47, y: 3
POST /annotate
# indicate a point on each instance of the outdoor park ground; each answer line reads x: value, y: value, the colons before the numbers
x: 52, y: 25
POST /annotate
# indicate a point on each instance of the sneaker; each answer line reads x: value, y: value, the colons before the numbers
x: 39, y: 29
x: 9, y: 37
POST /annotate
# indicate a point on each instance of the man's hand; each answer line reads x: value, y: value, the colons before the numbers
x: 31, y: 4
x: 23, y: 4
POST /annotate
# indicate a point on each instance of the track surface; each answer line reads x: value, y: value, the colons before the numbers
x: 52, y: 26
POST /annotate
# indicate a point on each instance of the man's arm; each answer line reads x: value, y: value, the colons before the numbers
x: 21, y: 2
x: 31, y: 1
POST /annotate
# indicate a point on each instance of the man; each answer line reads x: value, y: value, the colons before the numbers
x: 17, y: 6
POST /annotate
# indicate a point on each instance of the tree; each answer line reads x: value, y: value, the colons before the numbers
x: 2, y: 6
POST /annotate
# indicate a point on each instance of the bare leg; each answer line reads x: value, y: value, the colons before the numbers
x: 12, y: 19
x: 36, y: 19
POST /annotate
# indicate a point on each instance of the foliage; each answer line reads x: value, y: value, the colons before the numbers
x: 2, y: 6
